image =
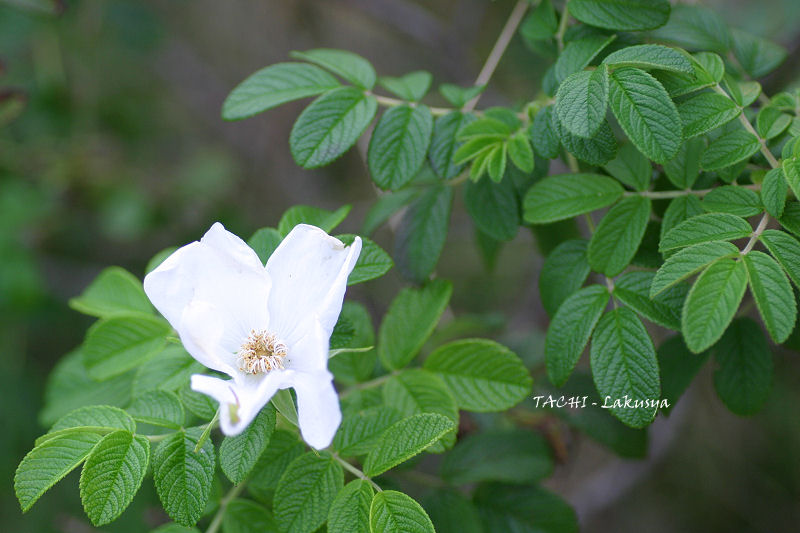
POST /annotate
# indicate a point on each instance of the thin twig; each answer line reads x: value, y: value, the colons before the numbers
x: 762, y: 225
x: 356, y: 472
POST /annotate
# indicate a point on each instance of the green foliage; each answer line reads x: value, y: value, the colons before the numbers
x: 117, y: 344
x: 563, y: 273
x: 306, y: 491
x: 687, y: 262
x: 582, y: 100
x: 244, y: 516
x: 158, y: 408
x: 772, y: 293
x: 349, y: 511
x: 631, y: 167
x: 734, y: 200
x: 393, y: 511
x: 404, y: 439
x: 565, y: 196
x: 422, y: 231
x: 634, y: 288
x: 743, y: 378
x: 494, y: 207
x: 705, y: 228
x: 412, y: 87
x: 731, y: 148
x: 786, y: 250
x: 705, y: 112
x: 238, y: 455
x: 619, y: 235
x: 305, y: 214
x: 650, y: 56
x: 348, y: 65
x: 114, y: 291
x: 399, y: 144
x: 621, y: 14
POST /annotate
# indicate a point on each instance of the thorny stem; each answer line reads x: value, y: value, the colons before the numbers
x: 356, y: 472
x: 223, y: 504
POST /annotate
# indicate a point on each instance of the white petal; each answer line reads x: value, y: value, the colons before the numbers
x: 239, y: 401
x: 309, y: 272
x: 318, y: 411
x: 225, y: 275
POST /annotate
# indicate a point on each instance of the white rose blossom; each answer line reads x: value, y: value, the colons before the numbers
x: 268, y: 328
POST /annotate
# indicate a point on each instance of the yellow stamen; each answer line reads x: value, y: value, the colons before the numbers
x: 261, y: 353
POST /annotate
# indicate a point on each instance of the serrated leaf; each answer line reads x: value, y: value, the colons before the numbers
x: 405, y: 439
x: 734, y: 200
x: 244, y: 516
x: 541, y: 23
x: 631, y: 167
x: 633, y: 289
x: 563, y: 273
x: 624, y: 366
x: 239, y: 454
x: 683, y: 169
x: 48, y: 463
x: 773, y: 295
x: 791, y: 172
x: 705, y: 112
x: 520, y: 152
x: 689, y: 261
x: 731, y: 148
x: 494, y: 207
x: 273, y: 86
x: 117, y: 344
x: 182, y: 477
x: 395, y: 512
x: 114, y: 291
x: 359, y: 432
x: 679, y: 209
x: 306, y: 491
x: 422, y: 231
x: 283, y: 448
x: 712, y: 302
x: 444, y: 144
x: 771, y: 122
x: 567, y: 195
x: 158, y: 408
x: 419, y: 391
x: 410, y: 320
x: 579, y: 53
x: 544, y: 136
x: 412, y: 86
x: 743, y: 379
x: 706, y: 228
x: 570, y: 330
x: 398, y: 145
x: 650, y: 56
x: 598, y: 150
x: 482, y: 375
x: 707, y: 70
x: 306, y: 214
x: 695, y: 27
x: 96, y: 416
x: 169, y: 370
x: 201, y: 405
x: 353, y: 367
x: 757, y: 56
x: 790, y: 220
x: 328, y: 127
x: 348, y: 65
x: 459, y: 96
x: 112, y: 475
x: 619, y: 235
x: 349, y: 512
x: 646, y: 113
x: 624, y: 15
x: 264, y: 241
x: 509, y: 455
x: 786, y: 250
x: 581, y: 101
x: 373, y: 261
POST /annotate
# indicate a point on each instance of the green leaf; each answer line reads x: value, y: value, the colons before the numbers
x: 567, y: 195
x: 773, y: 295
x: 494, y: 207
x: 158, y: 408
x: 678, y: 368
x: 112, y: 475
x: 598, y: 150
x: 395, y: 512
x: 786, y: 250
x: 409, y: 322
x: 419, y: 391
x: 276, y: 85
x: 459, y: 96
x: 563, y: 273
x: 398, y: 145
x: 570, y: 330
x: 264, y: 241
x: 449, y: 509
x: 354, y: 367
x: 117, y: 344
x: 283, y: 448
x: 791, y: 217
x: 239, y: 454
x: 624, y: 366
x: 579, y: 53
x: 633, y: 289
x: 412, y: 86
x: 731, y: 148
x: 679, y: 209
x: 646, y: 113
x: 170, y: 370
x: 330, y: 126
x: 743, y: 379
x: 348, y: 65
x: 510, y: 455
x: 712, y: 302
x: 306, y: 491
x: 543, y: 133
x: 182, y: 477
x: 706, y: 228
x: 771, y: 122
x: 385, y: 206
x: 48, y: 463
x: 373, y: 262
x: 482, y: 375
x: 405, y: 439
x: 201, y: 405
x: 520, y: 152
x: 420, y: 237
x: 683, y: 169
x: 114, y: 291
x: 305, y: 214
x: 734, y: 200
x: 623, y: 15
x: 689, y: 261
x: 172, y: 527
x: 523, y: 509
x: 581, y: 101
x: 707, y: 70
x: 695, y: 27
x: 619, y: 235
x: 705, y: 112
x: 359, y: 433
x: 757, y: 56
x: 444, y: 144
x: 350, y: 510
x: 791, y: 172
x: 244, y: 516
x: 93, y: 416
x: 284, y: 404
x: 631, y: 168
x: 650, y: 56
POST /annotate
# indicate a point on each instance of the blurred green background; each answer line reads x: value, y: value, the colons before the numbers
x: 120, y: 152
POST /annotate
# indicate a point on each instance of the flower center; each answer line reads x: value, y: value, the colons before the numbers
x: 261, y: 353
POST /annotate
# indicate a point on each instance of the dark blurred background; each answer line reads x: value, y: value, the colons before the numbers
x: 120, y: 152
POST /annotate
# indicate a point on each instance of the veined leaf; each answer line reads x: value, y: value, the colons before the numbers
x: 679, y: 210
x: 494, y: 207
x: 395, y: 512
x: 239, y: 454
x: 244, y: 516
x: 619, y: 235
x: 712, y: 302
x: 405, y: 439
x: 420, y: 237
x: 786, y: 250
x: 731, y: 148
x: 633, y: 289
x: 598, y: 150
x: 623, y: 15
x: 567, y: 195
x: 373, y: 261
x: 398, y: 145
x: 283, y: 448
x: 683, y: 169
x: 695, y: 27
x: 544, y: 136
x: 523, y: 508
x: 459, y: 96
x: 582, y: 100
x: 348, y: 65
x: 791, y: 171
x: 744, y: 377
x: 771, y: 122
x: 117, y: 344
x: 757, y: 56
x: 306, y: 214
x: 579, y: 53
x: 650, y: 56
x: 707, y: 70
x: 706, y: 228
x: 689, y: 261
x: 734, y: 200
x: 773, y: 295
x: 563, y: 273
x: 631, y: 167
x: 264, y: 241
x: 412, y: 86
x: 306, y: 491
x: 158, y: 408
x: 705, y: 112
x: 169, y: 370
x: 114, y: 291
x: 349, y: 512
x: 360, y: 432
x: 444, y: 144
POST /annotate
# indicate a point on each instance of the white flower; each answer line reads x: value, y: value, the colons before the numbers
x: 268, y: 328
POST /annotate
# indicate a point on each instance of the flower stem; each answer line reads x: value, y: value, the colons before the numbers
x: 356, y: 472
x: 206, y: 432
x: 223, y: 504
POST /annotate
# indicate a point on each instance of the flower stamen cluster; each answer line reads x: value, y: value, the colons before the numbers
x: 261, y: 353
